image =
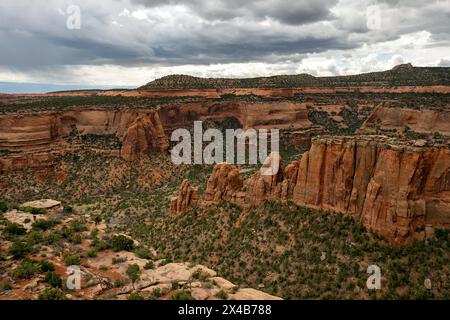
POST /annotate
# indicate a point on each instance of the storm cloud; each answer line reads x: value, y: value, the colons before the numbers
x: 203, y: 37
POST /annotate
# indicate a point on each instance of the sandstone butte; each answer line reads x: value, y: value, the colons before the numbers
x: 393, y: 188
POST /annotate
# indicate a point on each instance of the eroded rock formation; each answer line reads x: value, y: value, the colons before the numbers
x: 224, y: 183
x: 186, y: 198
x: 256, y: 115
x: 387, y: 186
x: 421, y: 121
x: 35, y: 140
x: 392, y: 187
x: 144, y: 135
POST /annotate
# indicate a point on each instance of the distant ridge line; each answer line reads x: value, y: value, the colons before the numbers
x: 401, y: 75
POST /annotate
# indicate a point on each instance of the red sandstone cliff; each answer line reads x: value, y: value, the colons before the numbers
x: 422, y: 121
x: 393, y: 188
x: 32, y: 140
x: 144, y: 135
x: 30, y: 136
x: 186, y: 198
x: 223, y: 184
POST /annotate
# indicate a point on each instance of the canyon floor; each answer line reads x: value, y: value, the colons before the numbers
x: 364, y: 180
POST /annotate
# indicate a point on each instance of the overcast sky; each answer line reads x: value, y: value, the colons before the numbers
x: 130, y: 42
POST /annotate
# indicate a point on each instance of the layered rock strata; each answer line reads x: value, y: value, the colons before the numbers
x: 186, y: 198
x: 391, y: 187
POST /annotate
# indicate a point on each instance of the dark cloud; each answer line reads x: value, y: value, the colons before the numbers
x: 165, y: 42
x: 178, y: 32
x: 285, y: 11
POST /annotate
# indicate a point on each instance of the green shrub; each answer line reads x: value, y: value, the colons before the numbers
x: 52, y: 294
x: 42, y: 224
x: 149, y: 265
x: 3, y: 207
x: 67, y: 209
x: 77, y: 226
x: 442, y: 234
x: 65, y: 232
x: 53, y: 279
x: 222, y: 295
x: 182, y: 295
x: 75, y: 239
x: 121, y: 243
x: 71, y: 260
x: 92, y: 253
x: 165, y: 261
x: 51, y: 238
x: 14, y: 229
x: 45, y: 265
x: 135, y: 296
x: 156, y: 293
x: 19, y: 250
x: 94, y: 233
x: 100, y: 245
x: 133, y: 272
x: 200, y: 275
x: 118, y: 283
x: 33, y: 210
x: 141, y: 253
x: 25, y: 270
x: 7, y: 286
x: 97, y: 219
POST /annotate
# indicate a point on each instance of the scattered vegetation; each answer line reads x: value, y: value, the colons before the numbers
x: 133, y: 272
x: 14, y: 229
x: 53, y: 279
x: 400, y: 75
x: 3, y: 207
x: 33, y: 210
x: 121, y: 243
x: 135, y: 296
x: 52, y: 294
x: 182, y: 295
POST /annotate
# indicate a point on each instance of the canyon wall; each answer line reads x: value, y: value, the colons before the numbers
x: 392, y: 187
x: 421, y: 121
x: 32, y: 140
x: 26, y: 138
x: 255, y: 115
